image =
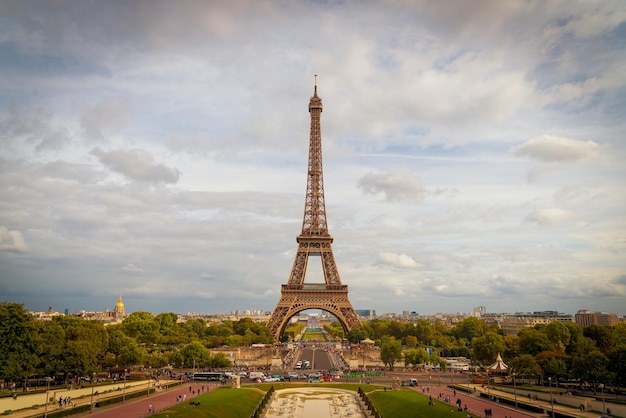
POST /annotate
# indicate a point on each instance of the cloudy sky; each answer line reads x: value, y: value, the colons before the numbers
x: 473, y: 152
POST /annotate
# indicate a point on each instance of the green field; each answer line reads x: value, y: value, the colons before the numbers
x: 406, y: 403
x: 219, y: 403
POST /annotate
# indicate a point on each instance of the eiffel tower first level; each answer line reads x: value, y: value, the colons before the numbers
x: 296, y: 295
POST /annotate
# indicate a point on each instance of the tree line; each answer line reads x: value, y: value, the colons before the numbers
x: 559, y: 350
x: 70, y: 346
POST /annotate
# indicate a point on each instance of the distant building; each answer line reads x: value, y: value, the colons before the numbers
x: 366, y: 313
x: 513, y: 324
x: 585, y: 318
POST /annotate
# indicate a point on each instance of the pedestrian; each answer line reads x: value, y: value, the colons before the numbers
x: 150, y: 410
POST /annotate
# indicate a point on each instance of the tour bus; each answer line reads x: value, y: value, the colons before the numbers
x: 210, y: 376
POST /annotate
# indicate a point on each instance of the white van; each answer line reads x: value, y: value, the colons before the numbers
x: 256, y: 375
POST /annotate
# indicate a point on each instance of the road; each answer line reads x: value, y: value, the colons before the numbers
x: 318, y: 357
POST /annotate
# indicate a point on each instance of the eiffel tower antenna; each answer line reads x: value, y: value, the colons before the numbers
x: 314, y: 240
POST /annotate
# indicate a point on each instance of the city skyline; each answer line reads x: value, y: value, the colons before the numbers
x: 473, y: 153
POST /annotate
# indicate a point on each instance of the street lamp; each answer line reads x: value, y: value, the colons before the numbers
x: 124, y: 392
x: 93, y: 378
x: 603, y: 405
x: 514, y: 390
x: 551, y: 400
x: 45, y: 413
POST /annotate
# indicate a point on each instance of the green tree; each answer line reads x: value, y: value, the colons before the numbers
x: 525, y: 366
x: 380, y: 328
x: 415, y: 357
x: 220, y: 361
x: 424, y: 331
x: 470, y: 328
x: 619, y: 334
x: 558, y: 333
x: 194, y: 354
x: 487, y: 347
x: 617, y: 361
x: 356, y: 335
x: 142, y: 326
x: 576, y: 336
x: 86, y: 343
x: 591, y: 368
x: 390, y: 352
x: 52, y: 337
x: 532, y: 341
x: 19, y: 342
x: 553, y: 363
x: 602, y: 335
x: 511, y: 347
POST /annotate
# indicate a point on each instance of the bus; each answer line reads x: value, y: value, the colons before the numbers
x: 210, y: 376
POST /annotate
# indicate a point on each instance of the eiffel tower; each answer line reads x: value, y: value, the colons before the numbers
x: 296, y: 295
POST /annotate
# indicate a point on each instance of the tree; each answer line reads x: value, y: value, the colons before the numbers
x: 52, y: 337
x: 511, y: 347
x: 525, y: 365
x: 411, y: 340
x: 532, y: 341
x: 86, y: 343
x: 553, y: 363
x: 558, y: 333
x: 591, y: 368
x: 415, y: 357
x: 602, y: 335
x: 470, y: 328
x: 617, y: 359
x: 390, y: 352
x: 19, y: 343
x: 576, y: 335
x: 142, y: 326
x: 356, y: 335
x: 487, y: 347
x: 194, y: 354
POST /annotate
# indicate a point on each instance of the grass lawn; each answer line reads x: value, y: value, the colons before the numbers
x: 406, y: 403
x: 219, y: 403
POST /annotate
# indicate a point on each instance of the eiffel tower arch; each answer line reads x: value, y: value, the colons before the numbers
x: 314, y: 240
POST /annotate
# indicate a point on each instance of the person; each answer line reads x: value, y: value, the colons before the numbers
x: 150, y: 410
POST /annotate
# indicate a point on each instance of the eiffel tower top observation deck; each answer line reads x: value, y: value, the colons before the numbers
x: 314, y: 240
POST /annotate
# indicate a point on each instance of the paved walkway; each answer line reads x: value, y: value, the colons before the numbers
x: 33, y: 404
x: 141, y: 407
x: 477, y: 404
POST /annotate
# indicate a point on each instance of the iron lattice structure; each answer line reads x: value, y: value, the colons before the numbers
x: 296, y: 295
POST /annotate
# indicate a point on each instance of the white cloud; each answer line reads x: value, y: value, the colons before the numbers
x: 398, y: 186
x: 12, y: 241
x: 546, y: 216
x: 138, y: 165
x: 555, y: 148
x: 397, y: 260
